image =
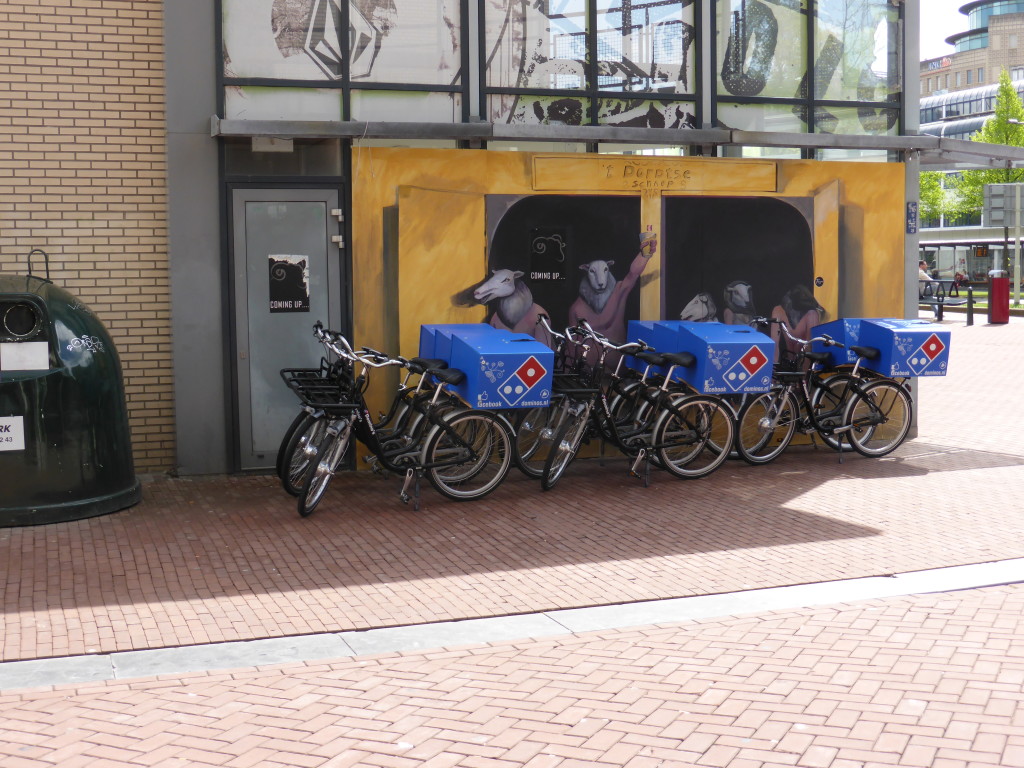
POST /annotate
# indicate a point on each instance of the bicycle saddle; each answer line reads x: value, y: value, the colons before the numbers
x: 423, y: 364
x: 653, y: 358
x: 868, y: 353
x: 818, y: 357
x: 684, y: 359
x: 448, y: 375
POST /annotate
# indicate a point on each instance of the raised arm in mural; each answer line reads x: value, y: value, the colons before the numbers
x: 602, y: 299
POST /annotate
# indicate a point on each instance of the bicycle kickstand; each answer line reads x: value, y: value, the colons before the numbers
x: 642, y: 461
x: 412, y: 479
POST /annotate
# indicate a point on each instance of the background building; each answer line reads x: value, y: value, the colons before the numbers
x: 992, y: 42
x: 178, y: 145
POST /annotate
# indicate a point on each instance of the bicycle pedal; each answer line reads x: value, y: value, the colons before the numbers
x: 638, y: 463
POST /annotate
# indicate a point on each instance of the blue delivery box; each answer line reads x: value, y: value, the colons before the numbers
x: 731, y: 359
x: 436, y: 340
x: 503, y: 369
x: 846, y: 331
x: 907, y: 347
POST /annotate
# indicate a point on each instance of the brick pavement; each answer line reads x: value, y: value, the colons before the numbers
x: 930, y: 680
x: 220, y: 559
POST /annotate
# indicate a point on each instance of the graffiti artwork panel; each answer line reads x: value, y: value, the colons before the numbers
x: 731, y: 259
x: 645, y: 47
x: 568, y: 257
x: 762, y: 51
x: 403, y: 41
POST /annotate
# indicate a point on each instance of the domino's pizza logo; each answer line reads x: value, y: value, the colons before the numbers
x: 926, y: 354
x: 519, y: 384
x: 744, y: 370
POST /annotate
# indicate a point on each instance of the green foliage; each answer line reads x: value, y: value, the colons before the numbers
x: 968, y: 187
x: 933, y: 196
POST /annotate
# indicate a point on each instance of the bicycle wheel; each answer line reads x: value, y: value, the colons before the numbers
x: 299, y: 419
x: 319, y: 477
x: 689, y: 434
x: 828, y: 401
x: 880, y: 414
x: 301, y: 454
x: 534, y: 432
x: 766, y: 425
x: 468, y: 456
x: 565, y: 445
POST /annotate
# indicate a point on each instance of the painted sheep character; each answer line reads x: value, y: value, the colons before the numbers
x: 801, y: 312
x: 602, y: 298
x: 701, y: 309
x: 739, y: 303
x: 513, y: 304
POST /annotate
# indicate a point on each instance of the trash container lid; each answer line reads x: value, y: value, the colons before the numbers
x: 997, y: 273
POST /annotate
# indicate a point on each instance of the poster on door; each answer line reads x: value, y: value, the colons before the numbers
x: 289, y: 283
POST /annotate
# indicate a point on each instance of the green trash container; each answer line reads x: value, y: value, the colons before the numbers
x: 65, y: 445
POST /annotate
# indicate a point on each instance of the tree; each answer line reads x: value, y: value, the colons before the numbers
x: 969, y: 186
x: 934, y: 200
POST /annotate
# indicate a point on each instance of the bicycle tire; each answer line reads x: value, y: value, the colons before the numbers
x: 533, y: 434
x: 881, y: 414
x: 300, y: 417
x: 319, y: 478
x: 484, y: 444
x: 301, y: 454
x: 828, y: 402
x: 765, y: 426
x: 565, y: 446
x: 687, y: 434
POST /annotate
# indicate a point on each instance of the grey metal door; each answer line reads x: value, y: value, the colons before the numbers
x: 288, y: 273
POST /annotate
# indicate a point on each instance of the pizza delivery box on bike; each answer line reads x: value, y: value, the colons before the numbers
x: 907, y: 347
x: 503, y: 369
x: 730, y: 359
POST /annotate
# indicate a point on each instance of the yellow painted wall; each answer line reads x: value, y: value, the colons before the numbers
x: 404, y: 278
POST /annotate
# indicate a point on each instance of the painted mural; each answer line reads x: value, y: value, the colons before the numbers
x: 731, y: 259
x: 569, y: 256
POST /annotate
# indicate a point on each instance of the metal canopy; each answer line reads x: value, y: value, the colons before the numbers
x: 933, y: 151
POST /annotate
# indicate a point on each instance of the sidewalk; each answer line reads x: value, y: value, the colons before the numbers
x: 901, y: 680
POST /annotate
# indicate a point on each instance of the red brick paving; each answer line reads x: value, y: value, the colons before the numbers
x: 931, y: 680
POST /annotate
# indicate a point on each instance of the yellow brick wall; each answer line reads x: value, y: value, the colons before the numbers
x: 83, y: 176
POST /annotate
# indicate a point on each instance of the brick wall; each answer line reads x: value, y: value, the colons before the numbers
x: 83, y: 176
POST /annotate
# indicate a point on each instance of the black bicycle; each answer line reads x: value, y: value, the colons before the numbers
x: 872, y: 413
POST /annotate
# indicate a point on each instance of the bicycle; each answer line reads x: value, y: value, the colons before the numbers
x: 874, y: 414
x: 648, y: 421
x: 464, y: 453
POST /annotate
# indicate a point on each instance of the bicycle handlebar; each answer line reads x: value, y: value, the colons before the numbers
x: 825, y: 339
x: 604, y: 341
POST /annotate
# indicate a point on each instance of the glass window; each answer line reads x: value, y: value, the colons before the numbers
x: 762, y: 47
x: 856, y: 120
x: 535, y: 45
x: 981, y: 75
x: 539, y: 110
x: 406, y: 106
x: 306, y: 157
x: 958, y: 79
x: 645, y: 45
x: 970, y: 76
x: 762, y: 117
x: 649, y: 114
x: 856, y: 57
x: 271, y: 103
x: 399, y: 41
